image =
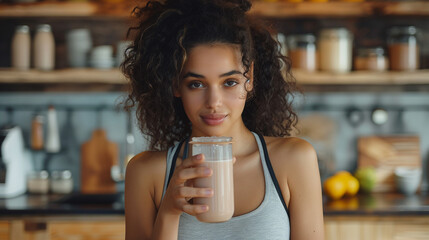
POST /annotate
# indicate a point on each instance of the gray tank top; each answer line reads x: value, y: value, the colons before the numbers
x: 270, y: 220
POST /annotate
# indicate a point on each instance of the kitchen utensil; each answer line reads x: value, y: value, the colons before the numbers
x: 354, y: 116
x: 53, y: 144
x: 385, y: 153
x: 98, y: 155
x: 14, y: 162
x: 379, y: 116
x: 118, y: 172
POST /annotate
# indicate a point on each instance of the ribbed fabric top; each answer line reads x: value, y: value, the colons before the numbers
x: 270, y: 220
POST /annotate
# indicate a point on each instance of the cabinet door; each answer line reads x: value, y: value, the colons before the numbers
x: 79, y: 230
x: 4, y: 230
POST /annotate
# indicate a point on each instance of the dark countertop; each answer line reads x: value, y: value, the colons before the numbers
x: 391, y: 204
x: 73, y: 204
x: 379, y: 204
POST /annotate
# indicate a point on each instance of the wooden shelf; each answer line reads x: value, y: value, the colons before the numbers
x: 420, y: 77
x: 65, y: 76
x: 339, y: 9
x: 265, y: 9
x: 115, y: 77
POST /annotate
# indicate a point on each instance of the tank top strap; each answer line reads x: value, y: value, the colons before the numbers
x: 267, y: 163
x: 172, y: 154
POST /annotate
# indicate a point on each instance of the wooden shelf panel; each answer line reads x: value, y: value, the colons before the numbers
x: 420, y: 77
x: 114, y: 76
x: 339, y: 9
x: 265, y: 9
x: 65, y: 76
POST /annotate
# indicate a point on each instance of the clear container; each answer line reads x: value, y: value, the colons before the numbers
x: 61, y: 182
x: 302, y: 51
x: 218, y: 156
x: 403, y: 48
x: 371, y: 59
x: 335, y: 50
x: 21, y: 48
x: 38, y: 182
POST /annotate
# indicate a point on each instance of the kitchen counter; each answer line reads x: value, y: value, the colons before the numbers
x: 379, y: 204
x: 51, y: 204
x: 389, y: 204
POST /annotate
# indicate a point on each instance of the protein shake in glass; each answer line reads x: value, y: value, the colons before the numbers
x: 218, y: 156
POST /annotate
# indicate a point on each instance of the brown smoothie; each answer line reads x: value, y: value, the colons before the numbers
x: 221, y: 205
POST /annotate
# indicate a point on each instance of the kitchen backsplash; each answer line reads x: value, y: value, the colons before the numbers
x: 332, y: 122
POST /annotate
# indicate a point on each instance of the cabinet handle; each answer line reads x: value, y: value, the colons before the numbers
x: 34, y: 226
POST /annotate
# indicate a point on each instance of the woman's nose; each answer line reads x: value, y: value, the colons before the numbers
x: 213, y: 98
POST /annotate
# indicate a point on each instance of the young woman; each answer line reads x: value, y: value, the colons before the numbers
x: 204, y: 68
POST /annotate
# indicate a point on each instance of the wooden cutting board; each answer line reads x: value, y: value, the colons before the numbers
x: 385, y: 153
x: 98, y: 155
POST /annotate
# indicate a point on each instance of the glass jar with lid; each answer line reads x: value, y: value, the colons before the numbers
x: 61, y: 182
x: 335, y: 50
x: 403, y: 48
x: 372, y: 59
x: 38, y: 182
x: 302, y: 51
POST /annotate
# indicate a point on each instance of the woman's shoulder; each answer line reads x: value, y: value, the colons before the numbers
x: 147, y: 164
x: 290, y: 152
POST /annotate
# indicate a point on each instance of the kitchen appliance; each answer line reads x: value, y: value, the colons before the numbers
x: 14, y: 162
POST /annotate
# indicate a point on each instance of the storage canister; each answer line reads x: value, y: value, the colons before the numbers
x: 21, y: 48
x: 44, y: 48
x: 61, y: 182
x: 335, y: 50
x: 38, y: 182
x: 371, y: 59
x: 302, y: 51
x: 403, y: 48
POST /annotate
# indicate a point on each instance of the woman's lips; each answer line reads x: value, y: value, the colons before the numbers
x: 213, y: 119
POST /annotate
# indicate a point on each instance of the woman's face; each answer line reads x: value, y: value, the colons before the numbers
x: 213, y: 89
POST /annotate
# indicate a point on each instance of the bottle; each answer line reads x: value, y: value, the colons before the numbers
x: 37, y: 132
x: 44, y: 48
x: 21, y: 45
x: 53, y: 136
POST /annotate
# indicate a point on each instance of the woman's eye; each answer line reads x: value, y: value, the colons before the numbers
x: 193, y: 85
x: 230, y: 83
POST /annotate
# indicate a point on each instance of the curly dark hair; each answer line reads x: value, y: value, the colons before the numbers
x: 165, y: 33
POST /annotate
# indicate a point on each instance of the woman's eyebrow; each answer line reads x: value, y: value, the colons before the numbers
x: 195, y: 75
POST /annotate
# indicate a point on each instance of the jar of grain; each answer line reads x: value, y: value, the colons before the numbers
x: 335, y: 49
x: 371, y: 59
x: 38, y: 182
x: 61, y: 182
x: 403, y: 48
x: 302, y: 51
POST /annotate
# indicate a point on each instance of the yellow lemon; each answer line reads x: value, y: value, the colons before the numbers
x: 334, y: 187
x: 352, y: 186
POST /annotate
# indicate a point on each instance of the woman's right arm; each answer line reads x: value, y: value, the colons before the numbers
x: 143, y: 219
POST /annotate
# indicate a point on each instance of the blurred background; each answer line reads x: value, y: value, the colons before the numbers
x: 362, y: 67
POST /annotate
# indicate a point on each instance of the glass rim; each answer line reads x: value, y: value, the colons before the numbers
x: 211, y: 140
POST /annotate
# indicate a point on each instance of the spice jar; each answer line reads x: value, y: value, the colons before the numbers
x: 21, y: 45
x: 403, y: 48
x: 302, y: 51
x: 37, y: 132
x: 372, y: 59
x: 335, y: 49
x: 61, y: 182
x: 44, y: 48
x: 38, y: 182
